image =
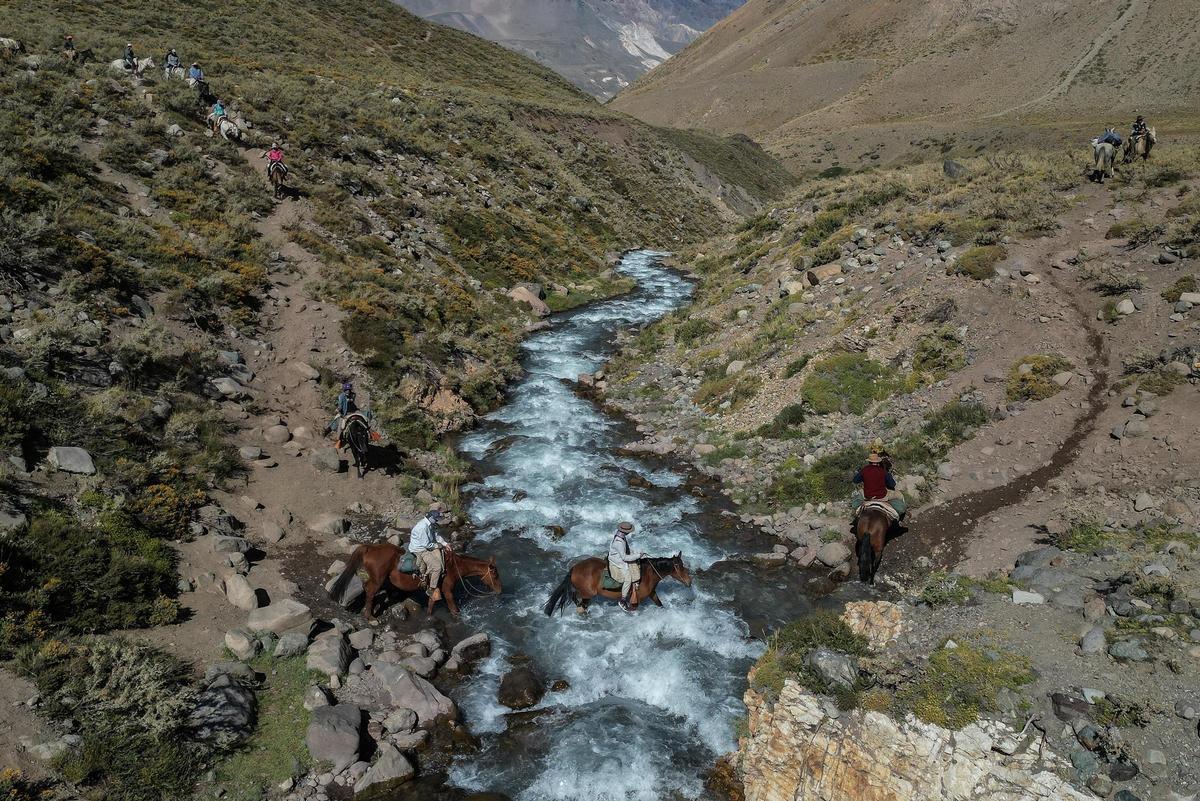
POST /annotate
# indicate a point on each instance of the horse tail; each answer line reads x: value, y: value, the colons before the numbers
x: 558, y: 599
x: 339, y: 586
x: 866, y: 555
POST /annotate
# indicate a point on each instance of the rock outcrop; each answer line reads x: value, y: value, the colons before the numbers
x: 796, y: 751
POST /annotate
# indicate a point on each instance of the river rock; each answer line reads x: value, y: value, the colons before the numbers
x: 293, y: 643
x: 329, y: 654
x: 521, y: 688
x: 242, y: 643
x: 353, y: 590
x: 326, y: 459
x: 399, y: 721
x: 280, y: 616
x: 239, y: 592
x: 391, y: 768
x: 832, y: 554
x: 523, y: 294
x: 475, y: 647
x: 333, y: 735
x: 834, y: 667
x: 1128, y: 651
x: 1094, y: 642
x: 329, y: 524
x: 71, y: 460
x: 277, y: 434
x: 408, y: 690
x: 224, y: 711
x: 229, y: 388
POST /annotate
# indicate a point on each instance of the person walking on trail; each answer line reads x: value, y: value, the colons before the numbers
x: 624, y: 567
x: 429, y: 548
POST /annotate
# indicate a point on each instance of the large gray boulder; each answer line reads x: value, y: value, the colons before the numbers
x: 326, y: 459
x: 280, y: 616
x: 334, y: 735
x: 71, y: 460
x: 521, y: 688
x: 329, y: 654
x: 291, y: 644
x: 239, y: 592
x: 330, y: 524
x: 834, y: 667
x: 11, y: 519
x: 390, y: 769
x: 224, y: 712
x: 242, y: 643
x: 353, y: 591
x: 407, y: 689
x: 832, y: 554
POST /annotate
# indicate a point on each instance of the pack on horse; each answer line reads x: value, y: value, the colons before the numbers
x: 383, y: 562
x: 588, y: 578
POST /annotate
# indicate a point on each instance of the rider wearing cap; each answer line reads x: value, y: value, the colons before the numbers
x: 623, y: 565
x: 1139, y: 128
x: 274, y: 158
x: 171, y: 62
x: 426, y: 544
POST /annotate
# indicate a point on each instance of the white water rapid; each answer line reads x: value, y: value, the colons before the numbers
x: 653, y: 697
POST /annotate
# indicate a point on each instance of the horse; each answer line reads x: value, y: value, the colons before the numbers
x: 1103, y: 155
x: 583, y: 582
x: 381, y: 563
x: 1140, y: 146
x: 871, y: 529
x: 204, y: 95
x: 140, y: 65
x: 10, y: 47
x: 277, y: 175
x: 178, y: 73
x: 227, y: 128
x: 356, y: 433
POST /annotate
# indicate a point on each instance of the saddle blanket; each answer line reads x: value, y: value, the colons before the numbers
x: 607, y: 582
x: 408, y: 563
x: 882, y: 506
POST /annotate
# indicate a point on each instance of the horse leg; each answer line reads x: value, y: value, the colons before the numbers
x: 448, y: 595
x: 654, y: 597
x: 369, y: 590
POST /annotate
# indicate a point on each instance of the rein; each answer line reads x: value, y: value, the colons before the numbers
x: 467, y: 584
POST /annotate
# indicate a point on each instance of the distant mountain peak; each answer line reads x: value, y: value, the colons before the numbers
x: 599, y: 45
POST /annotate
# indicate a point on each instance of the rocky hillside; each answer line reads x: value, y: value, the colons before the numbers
x: 601, y: 46
x: 839, y: 82
x: 172, y: 336
x: 1026, y: 344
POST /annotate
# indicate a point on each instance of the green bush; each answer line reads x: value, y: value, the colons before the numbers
x: 73, y: 577
x: 939, y: 353
x: 1034, y: 382
x: 132, y: 704
x: 959, y: 684
x: 790, y: 645
x: 830, y: 478
x: 847, y: 382
x: 942, y: 588
x: 785, y: 423
x: 693, y: 330
x: 980, y: 261
x: 823, y: 224
x: 1187, y: 283
x: 1138, y: 230
x: 796, y: 366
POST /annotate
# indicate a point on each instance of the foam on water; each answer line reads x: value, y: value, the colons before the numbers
x: 652, y: 697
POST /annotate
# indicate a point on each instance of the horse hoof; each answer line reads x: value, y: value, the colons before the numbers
x: 579, y: 610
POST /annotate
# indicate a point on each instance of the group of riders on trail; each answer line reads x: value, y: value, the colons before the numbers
x: 194, y: 75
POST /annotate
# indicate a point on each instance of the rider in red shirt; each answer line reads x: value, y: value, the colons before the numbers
x: 876, y: 478
x: 275, y: 158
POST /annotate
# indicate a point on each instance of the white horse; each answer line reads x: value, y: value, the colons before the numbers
x: 1103, y: 155
x: 227, y: 128
x: 140, y: 65
x: 174, y: 72
x: 10, y: 47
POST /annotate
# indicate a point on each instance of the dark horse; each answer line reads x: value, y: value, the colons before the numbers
x: 871, y: 528
x: 357, y: 436
x: 582, y: 583
x: 381, y: 563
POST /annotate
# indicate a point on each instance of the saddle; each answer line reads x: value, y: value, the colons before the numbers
x: 607, y: 582
x: 408, y: 563
x: 883, y: 506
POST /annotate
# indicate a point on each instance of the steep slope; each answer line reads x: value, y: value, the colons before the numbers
x: 793, y: 73
x: 172, y: 335
x: 599, y: 45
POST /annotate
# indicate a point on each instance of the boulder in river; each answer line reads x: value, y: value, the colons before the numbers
x: 521, y: 688
x: 333, y: 735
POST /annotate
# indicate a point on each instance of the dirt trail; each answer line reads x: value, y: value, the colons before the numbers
x: 943, y: 532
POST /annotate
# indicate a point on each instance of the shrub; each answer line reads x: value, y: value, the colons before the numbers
x: 785, y: 422
x: 847, y: 382
x: 980, y: 261
x: 1031, y: 377
x: 942, y: 588
x: 694, y: 329
x: 84, y: 578
x: 823, y: 224
x: 796, y: 366
x: 958, y: 684
x: 1187, y: 283
x: 1137, y: 230
x: 1110, y: 282
x: 828, y: 479
x: 939, y: 353
x: 784, y: 658
x: 1084, y: 536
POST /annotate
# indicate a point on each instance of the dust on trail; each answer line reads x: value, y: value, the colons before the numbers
x: 943, y: 532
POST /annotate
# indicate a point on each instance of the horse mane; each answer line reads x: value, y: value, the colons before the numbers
x: 661, y: 564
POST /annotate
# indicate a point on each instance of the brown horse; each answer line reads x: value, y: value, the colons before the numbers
x: 582, y: 583
x: 277, y: 175
x: 871, y: 528
x: 381, y: 563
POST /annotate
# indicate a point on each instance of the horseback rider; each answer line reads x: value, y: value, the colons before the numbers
x: 129, y: 58
x: 171, y: 62
x: 195, y: 74
x: 1139, y: 129
x: 428, y: 546
x: 69, y: 48
x: 877, y: 481
x: 218, y: 114
x: 623, y: 565
x: 274, y: 158
x: 346, y: 406
x: 1110, y: 136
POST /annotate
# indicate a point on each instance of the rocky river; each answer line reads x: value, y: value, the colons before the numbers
x: 640, y: 705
